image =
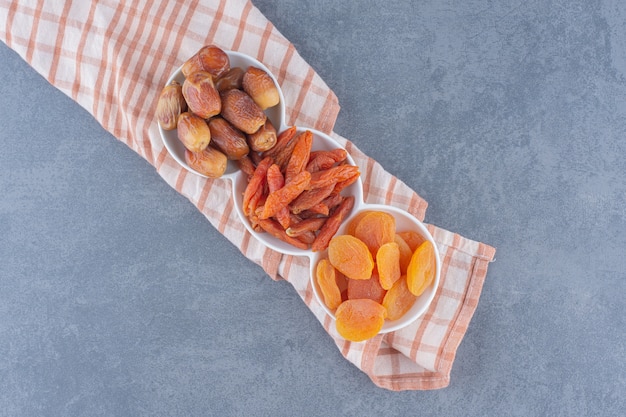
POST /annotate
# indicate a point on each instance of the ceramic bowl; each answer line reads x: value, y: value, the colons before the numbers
x: 321, y: 141
x: 276, y: 114
x: 404, y: 222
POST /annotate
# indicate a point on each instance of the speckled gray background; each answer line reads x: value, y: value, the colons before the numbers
x: 117, y: 298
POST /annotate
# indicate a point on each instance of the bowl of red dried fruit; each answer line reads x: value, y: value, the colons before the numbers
x: 298, y: 193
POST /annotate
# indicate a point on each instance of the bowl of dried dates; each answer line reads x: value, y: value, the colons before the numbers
x: 216, y: 108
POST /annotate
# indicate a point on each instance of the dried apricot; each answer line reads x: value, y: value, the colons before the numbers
x: 366, y: 288
x: 375, y: 229
x: 359, y: 319
x: 388, y: 264
x: 327, y: 281
x: 351, y: 257
x: 421, y: 271
x: 398, y: 300
x: 351, y: 227
x: 412, y: 238
x: 405, y: 253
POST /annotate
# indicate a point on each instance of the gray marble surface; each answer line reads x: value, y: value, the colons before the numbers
x: 117, y: 298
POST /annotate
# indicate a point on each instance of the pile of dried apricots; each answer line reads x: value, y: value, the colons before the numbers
x: 373, y: 273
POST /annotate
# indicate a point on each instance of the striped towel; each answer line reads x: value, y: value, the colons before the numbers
x: 113, y: 57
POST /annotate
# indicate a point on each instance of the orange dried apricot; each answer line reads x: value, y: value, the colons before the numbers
x: 342, y: 284
x: 398, y: 299
x: 376, y: 229
x: 359, y: 319
x: 351, y: 257
x: 366, y: 288
x: 351, y: 227
x: 412, y: 238
x: 327, y: 281
x: 388, y: 264
x: 421, y: 270
x: 405, y: 253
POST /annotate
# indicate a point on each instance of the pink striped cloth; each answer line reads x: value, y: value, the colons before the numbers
x: 113, y: 57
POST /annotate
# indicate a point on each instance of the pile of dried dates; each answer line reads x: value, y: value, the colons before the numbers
x: 218, y: 111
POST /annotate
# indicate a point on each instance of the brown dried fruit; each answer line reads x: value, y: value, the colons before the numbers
x: 228, y: 139
x: 170, y: 105
x: 239, y: 109
x: 233, y: 78
x: 282, y: 140
x: 246, y: 166
x: 193, y: 132
x: 209, y: 162
x: 263, y: 139
x: 260, y: 86
x: 209, y: 58
x: 201, y: 95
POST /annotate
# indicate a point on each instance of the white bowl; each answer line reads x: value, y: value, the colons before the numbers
x: 404, y: 221
x: 276, y: 114
x: 321, y: 141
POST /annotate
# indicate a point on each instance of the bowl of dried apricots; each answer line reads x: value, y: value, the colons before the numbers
x: 379, y: 273
x: 374, y: 268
